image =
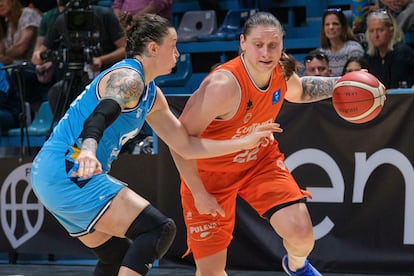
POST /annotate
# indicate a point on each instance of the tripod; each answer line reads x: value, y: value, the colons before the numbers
x: 73, y: 83
x: 17, y: 76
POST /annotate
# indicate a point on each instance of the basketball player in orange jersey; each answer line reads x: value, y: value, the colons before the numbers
x: 233, y: 99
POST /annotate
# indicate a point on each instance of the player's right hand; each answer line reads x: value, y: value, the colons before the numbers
x: 261, y: 135
x: 207, y: 204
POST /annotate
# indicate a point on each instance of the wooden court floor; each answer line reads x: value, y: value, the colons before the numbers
x: 86, y: 270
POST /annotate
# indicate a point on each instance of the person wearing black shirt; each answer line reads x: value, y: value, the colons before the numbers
x: 389, y: 58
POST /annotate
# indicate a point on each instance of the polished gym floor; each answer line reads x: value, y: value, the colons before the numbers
x: 86, y: 270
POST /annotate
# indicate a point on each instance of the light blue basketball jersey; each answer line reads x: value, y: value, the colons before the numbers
x: 79, y: 203
x: 126, y: 126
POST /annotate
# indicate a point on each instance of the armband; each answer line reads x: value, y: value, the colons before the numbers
x: 103, y: 116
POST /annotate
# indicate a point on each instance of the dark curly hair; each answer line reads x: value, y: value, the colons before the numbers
x: 142, y: 30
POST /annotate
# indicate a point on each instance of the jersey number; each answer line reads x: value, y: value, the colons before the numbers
x: 246, y: 156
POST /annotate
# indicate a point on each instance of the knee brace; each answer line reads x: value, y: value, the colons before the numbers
x: 110, y: 256
x: 152, y: 234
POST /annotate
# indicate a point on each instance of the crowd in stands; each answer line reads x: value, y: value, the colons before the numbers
x: 381, y: 50
x: 29, y: 29
x: 401, y: 10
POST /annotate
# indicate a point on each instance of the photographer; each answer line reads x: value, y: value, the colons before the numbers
x: 46, y: 73
x: 83, y: 39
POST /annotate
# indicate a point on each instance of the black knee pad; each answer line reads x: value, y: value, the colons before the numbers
x: 110, y: 256
x: 152, y: 234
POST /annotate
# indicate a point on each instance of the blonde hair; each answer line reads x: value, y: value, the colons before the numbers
x: 390, y: 22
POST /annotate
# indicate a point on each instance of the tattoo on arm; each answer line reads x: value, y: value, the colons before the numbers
x: 318, y: 87
x: 124, y: 86
x: 89, y: 144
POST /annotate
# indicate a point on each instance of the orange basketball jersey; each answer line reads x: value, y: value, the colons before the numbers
x: 257, y: 106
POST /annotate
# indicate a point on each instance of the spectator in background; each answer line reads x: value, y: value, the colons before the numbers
x: 401, y: 10
x: 389, y: 58
x: 136, y: 8
x: 316, y: 64
x: 18, y: 31
x: 338, y: 41
x: 48, y: 19
x: 355, y: 64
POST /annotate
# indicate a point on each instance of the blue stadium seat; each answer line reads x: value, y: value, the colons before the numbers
x: 41, y: 122
x: 195, y: 23
x: 232, y: 25
x: 181, y: 74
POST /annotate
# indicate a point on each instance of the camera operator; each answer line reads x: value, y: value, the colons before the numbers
x: 46, y: 73
x: 84, y: 38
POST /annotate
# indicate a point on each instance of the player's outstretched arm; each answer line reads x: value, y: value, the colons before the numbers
x: 175, y: 135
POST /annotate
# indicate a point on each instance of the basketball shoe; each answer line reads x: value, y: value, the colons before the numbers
x: 307, y: 270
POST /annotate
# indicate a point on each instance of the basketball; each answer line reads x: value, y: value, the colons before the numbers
x: 358, y: 97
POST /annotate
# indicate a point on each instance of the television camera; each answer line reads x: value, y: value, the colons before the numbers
x: 77, y: 42
x: 80, y: 38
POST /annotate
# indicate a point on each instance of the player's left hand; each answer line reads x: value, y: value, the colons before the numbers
x: 88, y: 164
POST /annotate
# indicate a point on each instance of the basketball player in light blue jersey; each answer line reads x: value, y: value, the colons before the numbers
x: 70, y: 173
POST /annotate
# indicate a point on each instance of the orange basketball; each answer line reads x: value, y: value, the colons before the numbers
x: 358, y: 97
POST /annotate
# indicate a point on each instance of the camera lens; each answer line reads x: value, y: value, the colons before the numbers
x: 79, y: 19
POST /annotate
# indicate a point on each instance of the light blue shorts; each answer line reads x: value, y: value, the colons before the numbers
x: 77, y: 204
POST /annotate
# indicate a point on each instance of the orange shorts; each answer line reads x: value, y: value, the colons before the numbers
x: 266, y: 185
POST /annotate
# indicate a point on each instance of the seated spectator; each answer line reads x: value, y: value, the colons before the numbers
x: 401, y: 10
x: 316, y: 64
x: 10, y: 106
x: 338, y: 41
x: 18, y: 33
x: 389, y: 58
x: 355, y: 64
x: 136, y: 8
